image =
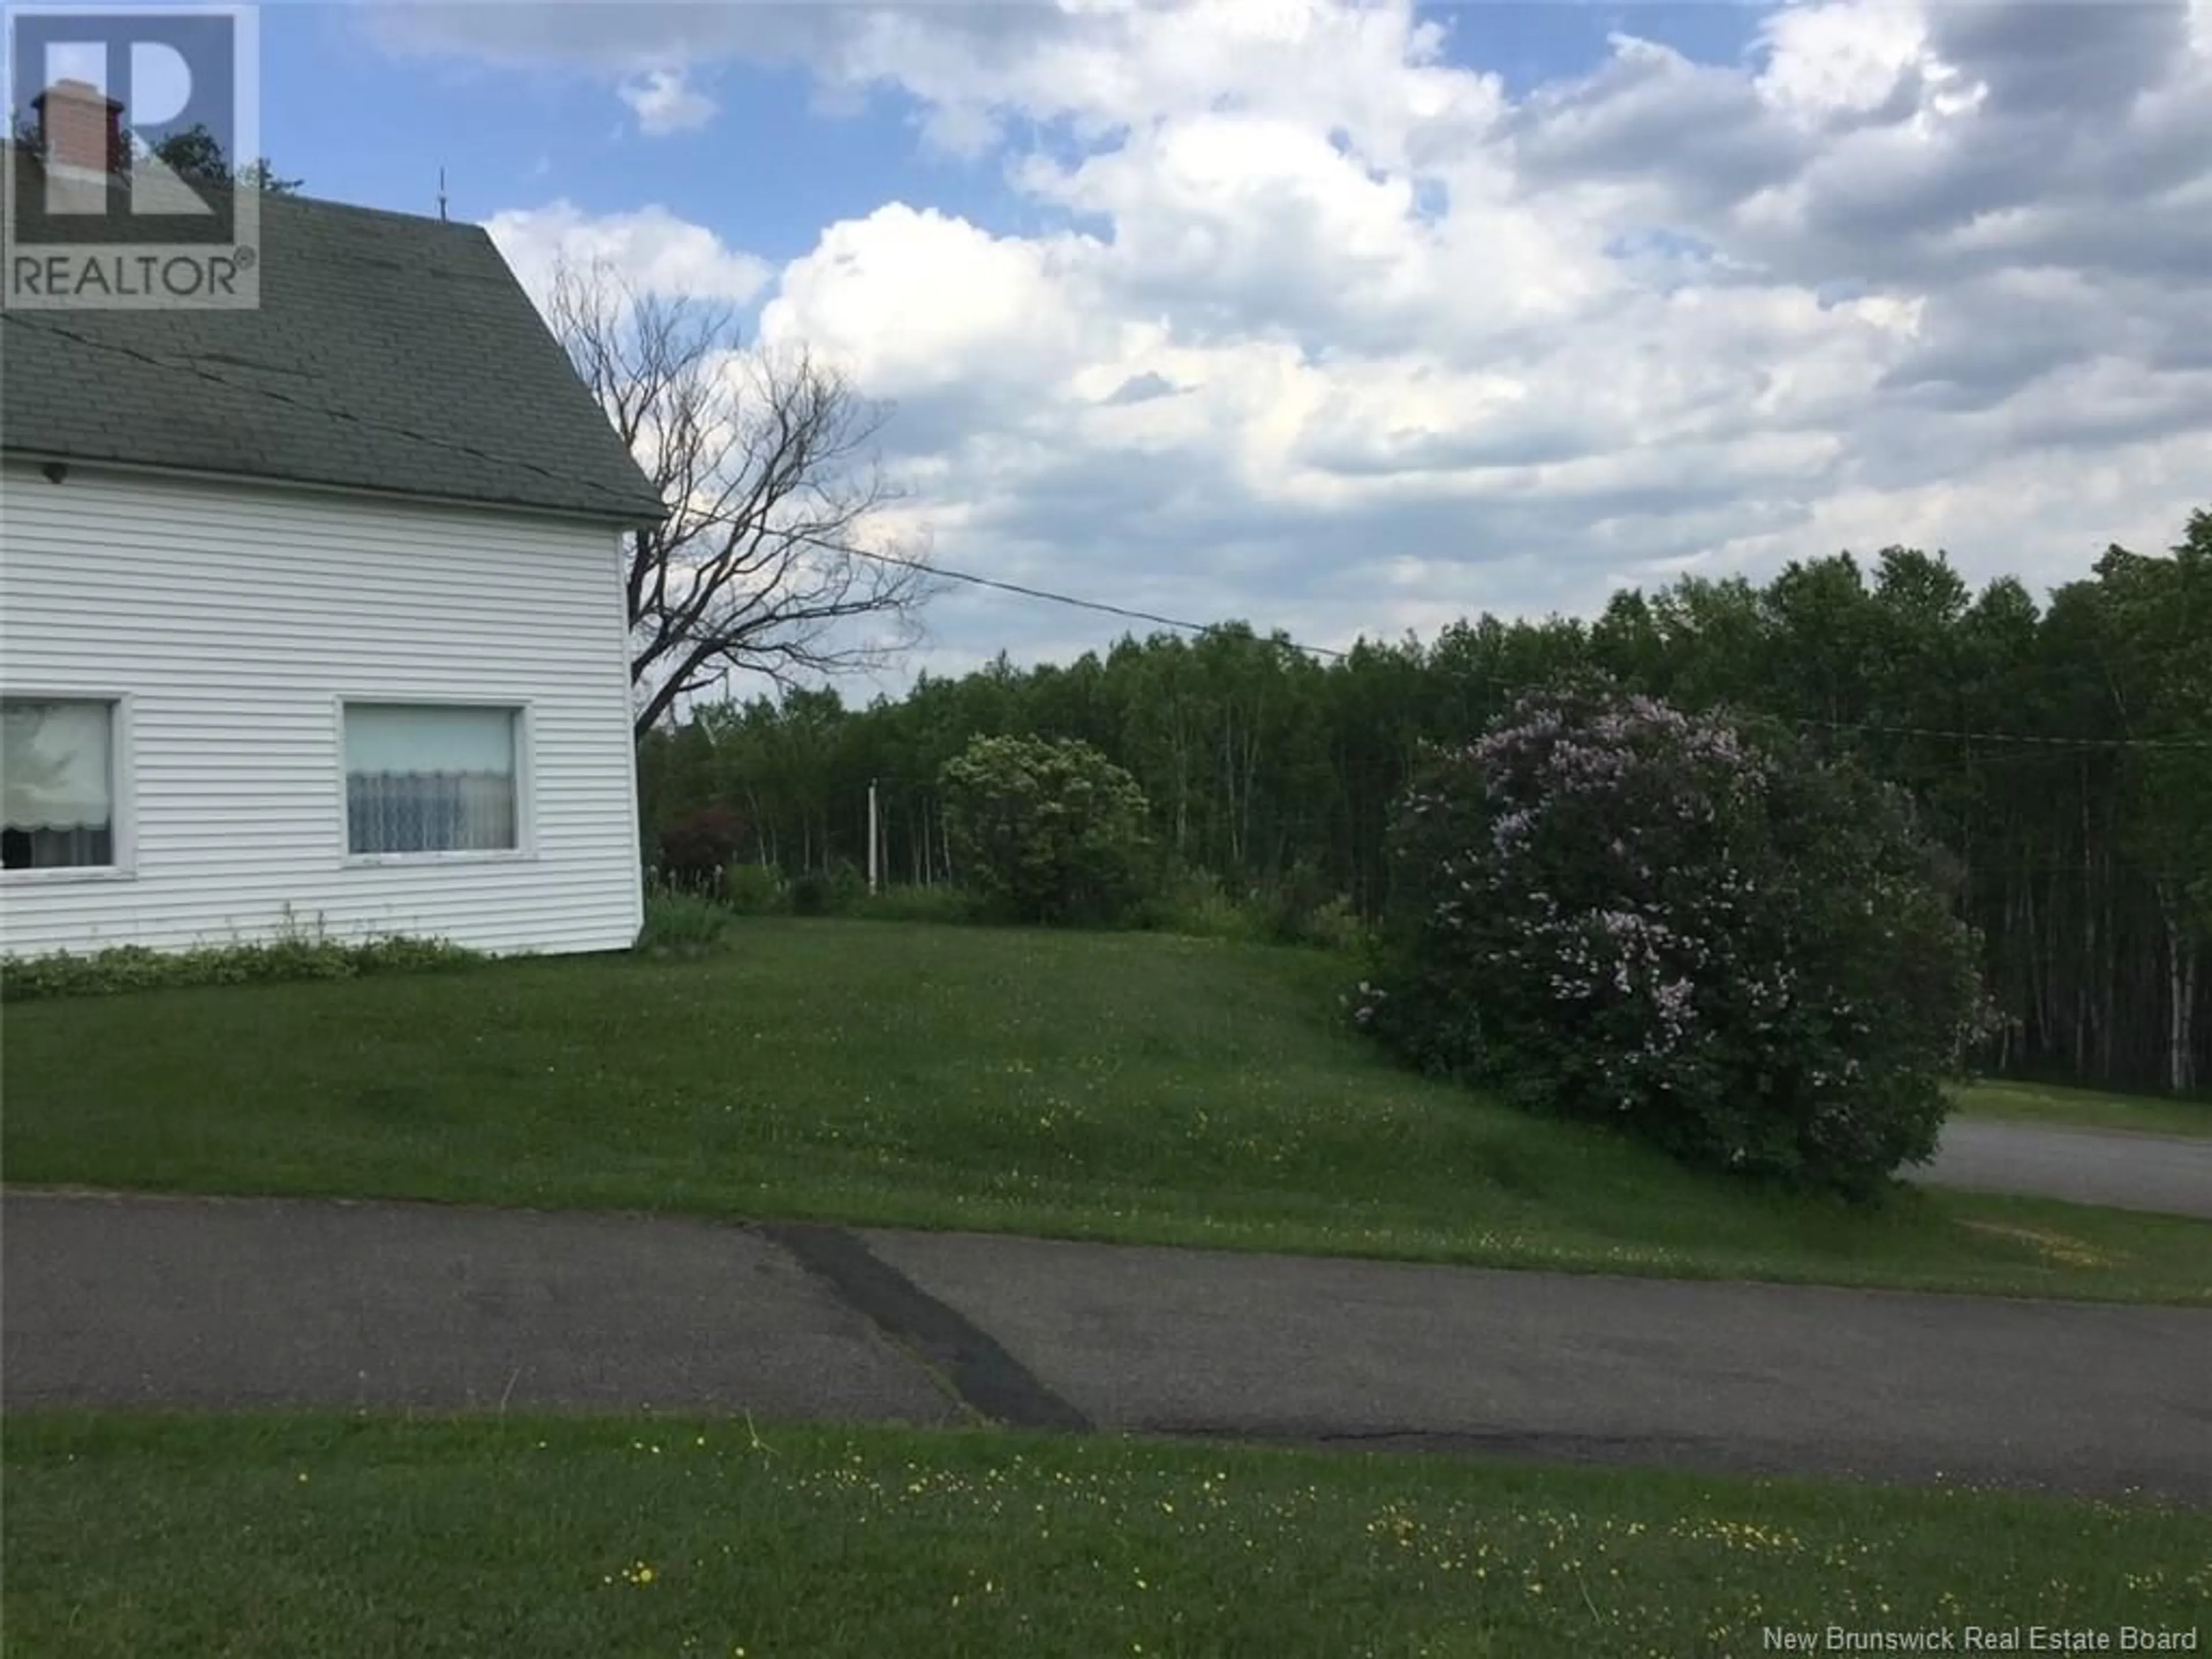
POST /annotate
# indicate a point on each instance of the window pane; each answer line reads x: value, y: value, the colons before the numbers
x: 427, y: 780
x: 57, y: 781
x: 382, y: 736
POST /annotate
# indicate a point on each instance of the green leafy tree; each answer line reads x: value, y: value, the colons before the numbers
x: 2158, y: 634
x: 195, y: 154
x: 1046, y: 830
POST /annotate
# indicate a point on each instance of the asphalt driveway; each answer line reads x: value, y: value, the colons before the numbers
x: 2126, y: 1170
x: 241, y: 1305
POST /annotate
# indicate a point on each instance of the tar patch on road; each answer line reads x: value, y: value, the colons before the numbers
x: 986, y: 1378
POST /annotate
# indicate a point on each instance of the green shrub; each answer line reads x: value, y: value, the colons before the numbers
x: 838, y: 891
x: 699, y: 845
x: 1298, y: 909
x: 396, y: 953
x: 1609, y: 908
x: 679, y: 922
x: 811, y: 893
x: 1336, y: 924
x: 934, y: 904
x: 752, y: 889
x: 848, y: 886
x: 1045, y: 830
x: 1191, y: 902
x: 292, y: 956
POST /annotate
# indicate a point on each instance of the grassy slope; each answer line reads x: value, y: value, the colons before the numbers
x: 2086, y: 1108
x: 320, y: 1537
x: 1128, y: 1086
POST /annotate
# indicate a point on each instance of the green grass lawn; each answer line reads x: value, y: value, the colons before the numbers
x: 2086, y: 1108
x: 1114, y: 1086
x: 321, y: 1537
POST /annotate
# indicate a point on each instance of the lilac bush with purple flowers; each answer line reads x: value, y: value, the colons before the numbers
x: 1609, y: 908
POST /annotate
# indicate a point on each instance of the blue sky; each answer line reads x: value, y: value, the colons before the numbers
x: 506, y: 134
x: 1350, y: 317
x: 780, y: 160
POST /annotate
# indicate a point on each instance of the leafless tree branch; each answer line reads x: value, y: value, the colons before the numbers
x: 763, y: 458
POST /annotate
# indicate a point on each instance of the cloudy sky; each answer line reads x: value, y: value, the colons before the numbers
x: 1354, y: 319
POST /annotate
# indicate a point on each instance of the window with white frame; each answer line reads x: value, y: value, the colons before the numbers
x: 430, y: 778
x: 57, y: 783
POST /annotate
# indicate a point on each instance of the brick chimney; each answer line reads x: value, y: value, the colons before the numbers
x: 80, y: 129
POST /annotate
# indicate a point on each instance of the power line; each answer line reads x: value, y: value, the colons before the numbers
x: 1051, y: 596
x: 2010, y: 737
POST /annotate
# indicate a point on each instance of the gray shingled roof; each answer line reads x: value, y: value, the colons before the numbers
x: 390, y: 352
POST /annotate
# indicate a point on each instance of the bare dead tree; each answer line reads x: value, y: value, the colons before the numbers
x: 764, y: 562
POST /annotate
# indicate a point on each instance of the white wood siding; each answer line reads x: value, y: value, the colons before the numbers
x: 235, y: 620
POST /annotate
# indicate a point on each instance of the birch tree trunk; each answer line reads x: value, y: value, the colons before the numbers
x: 2181, y: 992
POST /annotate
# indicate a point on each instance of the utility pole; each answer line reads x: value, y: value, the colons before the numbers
x: 441, y: 193
x: 874, y: 838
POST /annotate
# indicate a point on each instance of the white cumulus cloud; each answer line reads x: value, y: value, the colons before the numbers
x: 657, y: 252
x: 1330, y: 331
x: 665, y: 101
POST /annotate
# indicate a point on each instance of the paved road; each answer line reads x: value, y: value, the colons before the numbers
x: 1763, y: 1378
x: 231, y: 1303
x: 243, y: 1304
x: 2128, y: 1171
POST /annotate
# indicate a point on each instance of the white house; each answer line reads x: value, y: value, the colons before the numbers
x: 313, y: 616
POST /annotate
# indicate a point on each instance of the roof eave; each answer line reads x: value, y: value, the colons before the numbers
x: 629, y: 516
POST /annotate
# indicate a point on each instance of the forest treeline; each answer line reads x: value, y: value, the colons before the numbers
x: 2060, y: 751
